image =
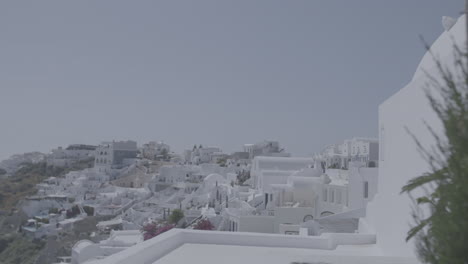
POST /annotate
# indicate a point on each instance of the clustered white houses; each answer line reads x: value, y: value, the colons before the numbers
x: 289, y: 192
x: 265, y: 148
x: 356, y: 149
x: 63, y: 157
x: 352, y: 213
x: 52, y: 209
x: 153, y: 150
x: 283, y: 196
x: 62, y: 201
x: 200, y: 154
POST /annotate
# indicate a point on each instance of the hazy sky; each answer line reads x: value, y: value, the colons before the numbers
x: 225, y: 73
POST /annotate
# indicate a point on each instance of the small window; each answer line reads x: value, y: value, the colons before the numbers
x: 325, y: 194
x: 366, y: 189
x: 332, y: 196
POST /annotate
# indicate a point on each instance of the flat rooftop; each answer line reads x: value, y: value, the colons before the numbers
x: 229, y: 254
x: 206, y: 247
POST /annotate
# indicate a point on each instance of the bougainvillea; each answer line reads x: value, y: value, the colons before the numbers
x: 153, y: 229
x: 204, y: 224
x: 72, y: 212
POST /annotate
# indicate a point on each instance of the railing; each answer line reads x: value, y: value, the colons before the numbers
x: 194, y: 221
x: 258, y: 204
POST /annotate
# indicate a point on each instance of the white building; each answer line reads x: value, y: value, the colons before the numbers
x: 265, y: 148
x: 306, y: 194
x: 114, y: 154
x: 65, y: 157
x: 205, y: 154
x: 363, y: 184
x: 153, y: 149
x: 200, y: 154
x: 177, y: 173
x: 356, y: 149
x: 187, y: 156
x: 268, y: 170
x: 241, y: 158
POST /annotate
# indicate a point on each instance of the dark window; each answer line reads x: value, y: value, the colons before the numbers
x: 366, y: 189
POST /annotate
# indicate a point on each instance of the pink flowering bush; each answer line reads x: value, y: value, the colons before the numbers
x: 152, y: 229
x: 204, y: 224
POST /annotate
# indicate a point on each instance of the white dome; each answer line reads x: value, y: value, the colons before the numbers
x: 242, y: 205
x: 213, y: 178
x: 81, y: 245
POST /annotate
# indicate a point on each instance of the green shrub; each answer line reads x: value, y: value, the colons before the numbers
x: 53, y: 210
x: 175, y: 216
x: 442, y: 232
x: 88, y: 210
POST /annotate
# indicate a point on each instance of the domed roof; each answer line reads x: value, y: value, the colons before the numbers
x: 82, y: 244
x: 213, y: 178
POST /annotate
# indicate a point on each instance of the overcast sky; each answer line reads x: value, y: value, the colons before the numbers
x: 224, y: 73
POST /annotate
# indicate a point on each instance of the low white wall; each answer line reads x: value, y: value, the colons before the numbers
x: 151, y: 250
x: 289, y: 229
x: 291, y: 215
x: 259, y: 224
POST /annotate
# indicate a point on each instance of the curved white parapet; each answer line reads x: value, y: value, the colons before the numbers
x: 442, y: 48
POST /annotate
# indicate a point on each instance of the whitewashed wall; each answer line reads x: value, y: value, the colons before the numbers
x: 389, y: 214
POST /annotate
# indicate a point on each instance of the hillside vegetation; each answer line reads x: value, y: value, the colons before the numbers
x: 22, y: 183
x: 18, y: 249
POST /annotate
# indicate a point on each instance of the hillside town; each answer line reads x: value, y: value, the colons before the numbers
x: 260, y: 188
x: 125, y: 200
x: 126, y: 194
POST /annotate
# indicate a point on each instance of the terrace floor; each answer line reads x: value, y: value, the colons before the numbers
x: 230, y: 254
